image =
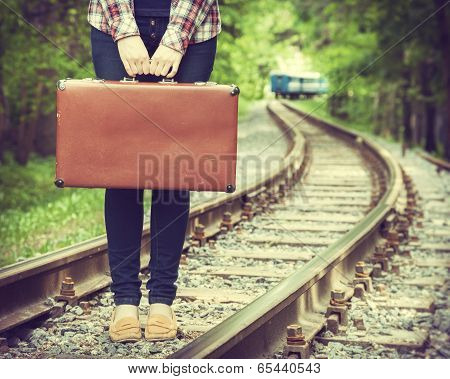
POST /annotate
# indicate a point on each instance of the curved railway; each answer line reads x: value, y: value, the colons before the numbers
x: 261, y: 262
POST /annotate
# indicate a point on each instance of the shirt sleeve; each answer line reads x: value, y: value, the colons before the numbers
x: 184, y: 20
x: 122, y: 21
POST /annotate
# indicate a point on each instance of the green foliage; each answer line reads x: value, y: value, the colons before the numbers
x: 42, y: 43
x: 36, y: 217
x: 376, y: 56
x: 255, y: 33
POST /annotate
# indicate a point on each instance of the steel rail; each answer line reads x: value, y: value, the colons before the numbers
x: 260, y: 327
x: 439, y: 163
x: 25, y: 287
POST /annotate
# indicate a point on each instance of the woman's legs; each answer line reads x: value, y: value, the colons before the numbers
x: 123, y: 207
x: 170, y: 208
x: 124, y: 221
x: 169, y: 220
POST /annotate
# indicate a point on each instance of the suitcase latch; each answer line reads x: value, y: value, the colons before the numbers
x: 168, y: 81
x: 129, y: 80
x: 205, y: 83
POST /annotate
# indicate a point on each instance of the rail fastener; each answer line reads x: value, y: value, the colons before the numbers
x: 362, y: 280
x: 393, y: 240
x: 199, y: 234
x: 336, y: 313
x: 194, y: 245
x: 377, y: 270
x: 184, y: 259
x: 410, y: 212
x: 411, y: 202
x: 212, y: 244
x: 247, y: 211
x: 380, y: 257
x: 226, y: 222
x: 403, y: 231
x: 282, y: 189
x: 258, y: 209
x: 296, y: 344
x: 395, y: 268
x: 67, y: 292
x: 262, y: 201
x: 390, y: 252
x: 273, y: 197
x: 358, y: 322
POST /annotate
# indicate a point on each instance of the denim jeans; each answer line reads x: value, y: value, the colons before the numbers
x: 124, y: 207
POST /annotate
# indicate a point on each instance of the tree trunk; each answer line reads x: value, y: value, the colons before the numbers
x: 426, y: 68
x: 4, y: 120
x: 430, y: 117
x: 406, y: 109
x: 442, y: 20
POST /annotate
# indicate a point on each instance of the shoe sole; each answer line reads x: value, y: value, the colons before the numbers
x: 127, y: 340
x: 160, y: 338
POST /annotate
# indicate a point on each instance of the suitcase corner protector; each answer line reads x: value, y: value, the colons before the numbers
x: 59, y: 183
x: 61, y: 84
x: 230, y: 188
x: 235, y: 90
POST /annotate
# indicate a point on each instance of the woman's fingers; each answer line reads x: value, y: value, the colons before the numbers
x: 128, y: 68
x: 146, y: 67
x: 174, y: 70
x: 165, y: 69
x: 134, y: 55
x: 134, y: 68
x: 153, y: 66
x: 140, y: 67
x: 163, y: 59
x: 160, y: 68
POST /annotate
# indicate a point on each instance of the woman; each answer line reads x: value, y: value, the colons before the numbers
x: 180, y: 36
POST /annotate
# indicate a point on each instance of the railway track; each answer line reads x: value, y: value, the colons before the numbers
x: 441, y: 165
x: 260, y: 264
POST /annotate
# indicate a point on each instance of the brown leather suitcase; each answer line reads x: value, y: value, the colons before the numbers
x: 129, y: 134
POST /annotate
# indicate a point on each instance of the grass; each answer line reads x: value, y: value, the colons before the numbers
x: 36, y: 217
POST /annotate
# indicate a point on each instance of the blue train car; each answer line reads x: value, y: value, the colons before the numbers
x: 293, y: 86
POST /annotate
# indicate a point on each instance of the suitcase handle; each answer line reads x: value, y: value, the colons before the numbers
x: 133, y: 80
x: 128, y: 80
x: 167, y: 81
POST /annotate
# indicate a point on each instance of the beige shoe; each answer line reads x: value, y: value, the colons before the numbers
x: 127, y: 329
x: 160, y: 327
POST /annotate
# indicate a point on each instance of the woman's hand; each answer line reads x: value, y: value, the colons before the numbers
x: 163, y: 59
x: 134, y: 55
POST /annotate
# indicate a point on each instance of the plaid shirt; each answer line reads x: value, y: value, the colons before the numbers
x: 191, y: 21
